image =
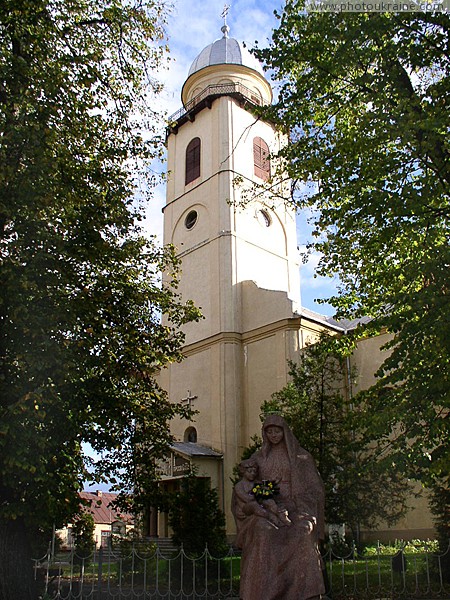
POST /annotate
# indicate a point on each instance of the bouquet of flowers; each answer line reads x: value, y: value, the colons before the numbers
x: 265, y: 490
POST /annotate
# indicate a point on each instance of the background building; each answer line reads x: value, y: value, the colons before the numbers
x: 108, y: 520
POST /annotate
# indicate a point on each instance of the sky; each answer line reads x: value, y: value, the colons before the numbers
x: 193, y: 25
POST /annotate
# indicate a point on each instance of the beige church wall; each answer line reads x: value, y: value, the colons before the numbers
x: 233, y: 381
x: 267, y: 270
x: 218, y: 393
x: 245, y: 128
x: 205, y: 253
x: 267, y: 351
x: 366, y: 359
x: 219, y: 397
x: 196, y: 374
x: 199, y: 288
x: 265, y: 372
x: 251, y: 226
x: 417, y: 523
x: 209, y: 271
x: 185, y: 239
x: 261, y: 307
x: 208, y: 126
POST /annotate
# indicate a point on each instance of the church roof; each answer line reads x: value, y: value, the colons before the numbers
x: 191, y: 449
x: 342, y: 325
x: 225, y: 51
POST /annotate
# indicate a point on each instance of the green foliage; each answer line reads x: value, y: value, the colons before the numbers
x: 137, y: 555
x: 364, y: 98
x: 133, y: 542
x: 83, y: 530
x: 441, y: 500
x: 81, y: 294
x: 408, y: 547
x: 440, y: 507
x: 196, y: 519
x: 255, y: 445
x: 359, y: 490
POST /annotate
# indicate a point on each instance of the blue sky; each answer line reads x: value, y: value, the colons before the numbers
x: 193, y: 25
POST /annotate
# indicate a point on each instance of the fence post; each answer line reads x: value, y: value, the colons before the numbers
x: 100, y: 572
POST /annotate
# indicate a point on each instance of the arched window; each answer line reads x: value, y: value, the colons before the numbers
x: 190, y: 435
x: 261, y: 158
x: 192, y: 160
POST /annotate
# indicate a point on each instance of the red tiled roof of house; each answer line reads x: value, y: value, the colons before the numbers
x: 101, y: 509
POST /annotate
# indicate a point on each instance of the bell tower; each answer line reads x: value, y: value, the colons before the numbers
x: 213, y: 141
x: 239, y: 261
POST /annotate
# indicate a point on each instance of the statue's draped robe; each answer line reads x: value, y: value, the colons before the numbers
x: 284, y: 563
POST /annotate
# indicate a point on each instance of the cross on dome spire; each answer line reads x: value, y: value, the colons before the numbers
x: 225, y: 29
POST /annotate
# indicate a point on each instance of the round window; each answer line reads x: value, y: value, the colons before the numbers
x: 191, y: 219
x: 264, y: 217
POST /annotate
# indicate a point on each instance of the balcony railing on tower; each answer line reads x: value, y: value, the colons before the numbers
x: 205, y: 98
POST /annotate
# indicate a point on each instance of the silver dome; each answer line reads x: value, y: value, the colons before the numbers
x: 225, y: 51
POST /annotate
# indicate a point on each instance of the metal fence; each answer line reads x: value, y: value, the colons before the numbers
x: 151, y: 573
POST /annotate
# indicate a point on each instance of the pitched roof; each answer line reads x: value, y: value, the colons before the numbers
x: 191, y: 449
x: 342, y: 325
x: 100, y: 506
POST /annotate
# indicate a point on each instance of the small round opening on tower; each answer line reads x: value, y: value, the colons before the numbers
x: 264, y: 218
x: 191, y: 219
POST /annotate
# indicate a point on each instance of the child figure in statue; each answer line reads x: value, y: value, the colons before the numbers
x: 246, y: 503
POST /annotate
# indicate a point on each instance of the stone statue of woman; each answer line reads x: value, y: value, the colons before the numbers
x: 283, y: 562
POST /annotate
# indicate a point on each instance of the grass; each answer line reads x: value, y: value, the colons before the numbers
x: 374, y: 575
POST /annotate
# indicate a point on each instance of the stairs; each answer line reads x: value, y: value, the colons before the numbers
x: 165, y: 545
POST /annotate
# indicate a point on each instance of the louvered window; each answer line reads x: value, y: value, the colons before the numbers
x: 193, y: 160
x: 261, y: 158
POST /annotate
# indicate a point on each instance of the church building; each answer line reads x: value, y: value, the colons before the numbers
x: 240, y: 266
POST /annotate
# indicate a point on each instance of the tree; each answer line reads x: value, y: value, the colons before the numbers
x: 440, y: 507
x: 364, y: 98
x: 83, y: 531
x: 81, y: 294
x: 359, y: 491
x: 196, y: 519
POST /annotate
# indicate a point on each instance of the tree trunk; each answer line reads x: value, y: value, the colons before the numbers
x: 16, y: 567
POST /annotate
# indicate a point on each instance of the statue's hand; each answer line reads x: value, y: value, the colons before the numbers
x: 284, y: 518
x: 307, y: 523
x: 307, y: 526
